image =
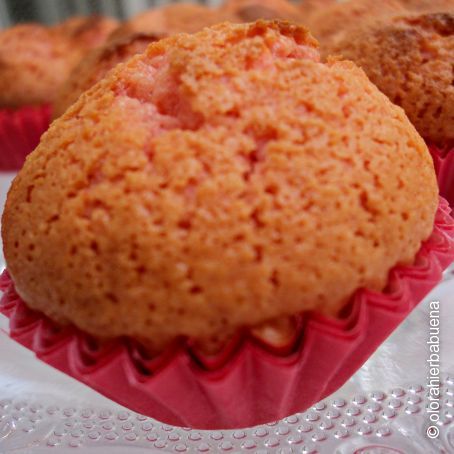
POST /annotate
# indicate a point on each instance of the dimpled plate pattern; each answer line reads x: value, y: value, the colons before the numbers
x: 373, y: 423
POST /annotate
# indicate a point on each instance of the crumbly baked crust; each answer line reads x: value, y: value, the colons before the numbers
x: 218, y: 181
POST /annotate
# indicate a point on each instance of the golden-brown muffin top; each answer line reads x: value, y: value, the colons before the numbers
x: 172, y: 18
x: 218, y: 181
x: 35, y: 60
x: 329, y: 24
x: 251, y: 10
x: 411, y: 60
x: 96, y: 65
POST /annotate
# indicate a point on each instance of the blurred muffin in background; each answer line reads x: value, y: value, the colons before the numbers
x: 35, y: 60
x: 309, y: 7
x: 329, y: 24
x: 251, y: 10
x: 172, y: 18
x: 87, y: 32
x: 96, y: 65
x: 411, y: 59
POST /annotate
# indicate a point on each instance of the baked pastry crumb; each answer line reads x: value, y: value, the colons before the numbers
x: 220, y: 181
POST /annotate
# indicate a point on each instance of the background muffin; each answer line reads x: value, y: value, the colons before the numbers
x: 329, y: 24
x: 87, y: 32
x: 35, y: 60
x: 411, y: 59
x: 219, y: 181
x: 251, y: 10
x: 96, y: 65
x: 308, y: 7
x: 172, y: 18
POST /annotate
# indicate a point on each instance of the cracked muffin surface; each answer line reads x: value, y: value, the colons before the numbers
x: 219, y: 181
x: 411, y: 59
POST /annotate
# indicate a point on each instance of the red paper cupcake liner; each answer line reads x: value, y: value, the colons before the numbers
x: 444, y: 167
x: 247, y: 383
x: 20, y: 131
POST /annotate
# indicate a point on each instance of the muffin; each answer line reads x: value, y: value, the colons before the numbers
x: 87, y: 32
x: 329, y: 24
x: 96, y: 65
x: 310, y: 6
x: 218, y: 182
x: 35, y: 59
x: 251, y: 10
x: 33, y: 62
x: 410, y: 59
x: 223, y: 190
x: 170, y: 19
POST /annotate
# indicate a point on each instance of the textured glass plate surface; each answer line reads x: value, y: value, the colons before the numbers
x: 380, y: 410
